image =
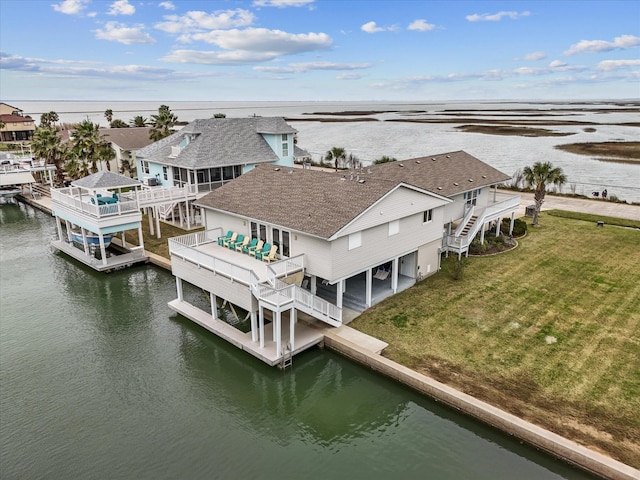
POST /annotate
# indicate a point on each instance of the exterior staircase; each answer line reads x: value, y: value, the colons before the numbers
x: 469, y: 225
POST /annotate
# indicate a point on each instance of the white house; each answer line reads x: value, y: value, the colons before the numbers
x: 345, y: 239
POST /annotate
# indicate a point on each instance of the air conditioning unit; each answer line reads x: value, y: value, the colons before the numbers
x: 150, y: 181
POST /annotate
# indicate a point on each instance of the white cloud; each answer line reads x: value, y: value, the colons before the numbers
x: 596, y: 46
x: 70, y: 7
x: 311, y: 66
x: 236, y: 57
x: 372, y: 27
x: 282, y: 3
x: 199, y: 21
x: 496, y: 17
x: 535, y: 56
x: 350, y: 76
x: 610, y: 65
x: 167, y: 5
x: 121, y: 7
x: 557, y: 64
x: 276, y: 42
x: 119, y: 32
x: 421, y: 25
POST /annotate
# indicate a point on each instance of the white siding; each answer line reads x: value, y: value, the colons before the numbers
x: 215, y: 219
x: 429, y: 258
x: 400, y: 203
x: 317, y: 254
x: 235, y: 292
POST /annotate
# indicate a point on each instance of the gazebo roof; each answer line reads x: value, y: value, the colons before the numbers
x: 106, y: 179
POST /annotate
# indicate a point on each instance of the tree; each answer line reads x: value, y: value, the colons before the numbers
x: 117, y: 123
x: 538, y: 177
x: 48, y: 146
x: 384, y: 159
x: 162, y: 123
x: 48, y: 120
x: 108, y: 114
x: 139, y: 121
x: 86, y: 143
x: 337, y: 154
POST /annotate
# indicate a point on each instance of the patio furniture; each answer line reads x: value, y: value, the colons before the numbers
x: 260, y: 253
x: 269, y: 257
x: 382, y: 273
x: 239, y: 241
x: 226, y: 237
x: 247, y: 246
x: 227, y: 241
x: 257, y: 248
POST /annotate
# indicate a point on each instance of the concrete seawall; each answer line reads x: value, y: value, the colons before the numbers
x: 528, y: 432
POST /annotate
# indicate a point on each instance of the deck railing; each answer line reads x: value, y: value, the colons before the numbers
x: 70, y: 197
x: 285, y: 267
x: 156, y: 195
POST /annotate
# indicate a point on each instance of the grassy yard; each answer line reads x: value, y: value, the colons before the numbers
x: 159, y: 246
x: 549, y: 331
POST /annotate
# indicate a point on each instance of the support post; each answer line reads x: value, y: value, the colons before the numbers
x: 369, y: 283
x: 214, y: 305
x: 511, y: 224
x: 314, y: 284
x: 157, y: 214
x: 339, y: 292
x: 103, y: 250
x: 179, y: 288
x: 261, y: 310
x: 278, y: 333
x: 293, y: 317
x: 254, y: 327
x: 498, y: 226
x: 394, y: 275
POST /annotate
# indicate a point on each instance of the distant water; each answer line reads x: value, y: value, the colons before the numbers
x: 100, y: 380
x: 372, y: 140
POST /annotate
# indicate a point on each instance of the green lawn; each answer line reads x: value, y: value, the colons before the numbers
x: 549, y: 331
x: 159, y: 246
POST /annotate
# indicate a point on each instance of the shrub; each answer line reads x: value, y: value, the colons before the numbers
x: 519, y: 227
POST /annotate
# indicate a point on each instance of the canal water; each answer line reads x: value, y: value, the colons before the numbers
x: 100, y: 380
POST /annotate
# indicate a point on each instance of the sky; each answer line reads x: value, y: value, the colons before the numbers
x: 319, y: 50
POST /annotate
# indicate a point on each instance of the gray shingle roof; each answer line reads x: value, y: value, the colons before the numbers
x: 322, y: 202
x: 132, y: 138
x: 446, y: 174
x: 105, y: 179
x: 216, y: 142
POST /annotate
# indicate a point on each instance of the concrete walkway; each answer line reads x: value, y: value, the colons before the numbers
x: 583, y: 205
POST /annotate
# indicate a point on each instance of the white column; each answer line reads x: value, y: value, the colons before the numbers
x: 150, y: 215
x: 482, y: 233
x: 179, y: 288
x: 278, y: 332
x: 511, y: 225
x: 103, y: 250
x: 140, y: 237
x: 157, y: 214
x: 59, y: 226
x: 368, y: 288
x: 394, y: 275
x: 498, y: 226
x: 314, y: 284
x: 85, y: 243
x: 214, y: 305
x: 293, y: 318
x: 69, y: 227
x: 189, y: 209
x: 261, y: 311
x: 339, y: 290
x: 254, y: 327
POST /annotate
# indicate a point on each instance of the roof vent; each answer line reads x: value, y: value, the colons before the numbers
x: 362, y: 180
x: 484, y: 176
x: 439, y: 188
x: 455, y: 183
x: 276, y: 169
x: 401, y: 165
x: 433, y: 158
x: 471, y: 179
x: 418, y: 161
x: 448, y: 156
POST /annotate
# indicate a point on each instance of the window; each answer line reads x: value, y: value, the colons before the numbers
x: 145, y: 166
x: 427, y: 216
x: 394, y: 227
x: 165, y: 173
x: 285, y: 145
x: 355, y: 240
x: 472, y: 197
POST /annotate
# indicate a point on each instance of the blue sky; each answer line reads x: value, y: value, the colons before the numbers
x: 318, y: 50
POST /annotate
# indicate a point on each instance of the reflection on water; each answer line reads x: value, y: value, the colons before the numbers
x: 100, y: 379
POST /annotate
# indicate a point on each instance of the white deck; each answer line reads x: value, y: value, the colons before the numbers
x: 306, y: 336
x: 114, y: 262
x: 240, y: 259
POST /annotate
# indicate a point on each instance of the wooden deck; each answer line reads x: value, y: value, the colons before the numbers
x: 306, y: 336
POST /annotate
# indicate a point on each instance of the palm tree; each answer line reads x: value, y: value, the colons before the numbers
x: 162, y: 123
x: 48, y: 120
x: 108, y: 114
x: 538, y: 177
x: 117, y: 123
x: 48, y: 146
x: 337, y: 154
x: 138, y: 121
x: 86, y: 142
